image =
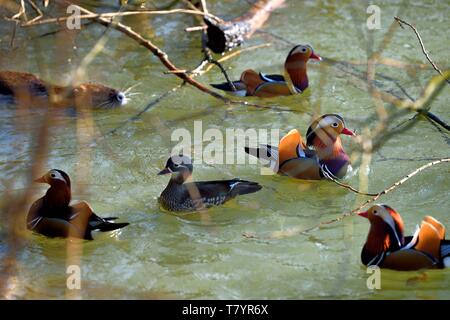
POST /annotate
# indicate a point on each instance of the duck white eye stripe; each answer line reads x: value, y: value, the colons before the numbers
x: 327, y: 121
x: 56, y: 175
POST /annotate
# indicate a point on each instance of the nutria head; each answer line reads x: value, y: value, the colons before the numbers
x: 98, y: 96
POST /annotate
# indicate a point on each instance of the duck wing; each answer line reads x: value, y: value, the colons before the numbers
x: 409, y: 259
x: 54, y: 227
x: 83, y: 215
x: 50, y: 225
x: 302, y: 168
x: 291, y: 152
x: 272, y: 89
x: 104, y: 224
x: 213, y: 193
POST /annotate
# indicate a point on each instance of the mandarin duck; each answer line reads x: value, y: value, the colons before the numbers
x: 320, y: 157
x: 294, y: 80
x: 193, y: 196
x: 52, y: 215
x: 386, y: 247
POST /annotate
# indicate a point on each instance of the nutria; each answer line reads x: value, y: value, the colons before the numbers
x: 29, y: 91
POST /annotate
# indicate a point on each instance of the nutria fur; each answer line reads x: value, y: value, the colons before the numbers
x: 27, y: 90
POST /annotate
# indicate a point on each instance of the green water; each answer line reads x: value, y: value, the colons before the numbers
x: 195, y: 256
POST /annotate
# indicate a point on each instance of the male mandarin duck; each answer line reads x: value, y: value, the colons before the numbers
x: 320, y: 156
x: 294, y: 80
x: 386, y: 247
x: 52, y: 215
x: 193, y: 196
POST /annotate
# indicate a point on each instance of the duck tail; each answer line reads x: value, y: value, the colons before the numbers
x: 267, y: 153
x: 105, y: 224
x: 244, y: 187
x: 110, y: 218
x: 110, y: 226
x: 241, y: 89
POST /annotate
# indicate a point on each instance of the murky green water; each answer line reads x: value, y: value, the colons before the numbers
x: 194, y: 256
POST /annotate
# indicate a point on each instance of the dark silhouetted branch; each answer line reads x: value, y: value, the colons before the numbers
x: 227, y: 35
x: 422, y: 46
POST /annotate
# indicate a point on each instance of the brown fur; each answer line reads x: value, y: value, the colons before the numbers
x: 30, y: 91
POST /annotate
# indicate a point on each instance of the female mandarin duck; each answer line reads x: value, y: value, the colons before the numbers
x: 192, y: 196
x: 295, y: 79
x: 386, y: 247
x: 52, y: 215
x: 322, y: 155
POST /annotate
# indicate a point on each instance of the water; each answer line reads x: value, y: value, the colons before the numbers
x: 163, y: 255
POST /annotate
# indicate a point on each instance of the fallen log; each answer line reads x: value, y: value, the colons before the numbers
x: 223, y: 36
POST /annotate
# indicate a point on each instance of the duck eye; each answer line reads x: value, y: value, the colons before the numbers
x: 375, y: 211
x: 334, y: 125
x: 303, y: 49
x: 53, y: 175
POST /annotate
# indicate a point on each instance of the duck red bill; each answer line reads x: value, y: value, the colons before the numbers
x: 348, y: 132
x: 315, y: 56
x: 363, y: 214
x: 41, y: 180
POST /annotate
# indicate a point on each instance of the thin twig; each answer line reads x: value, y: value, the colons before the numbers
x: 38, y: 11
x: 164, y: 58
x: 349, y: 187
x: 300, y: 229
x: 147, y: 107
x: 238, y: 52
x: 106, y: 15
x: 425, y: 52
x: 196, y: 28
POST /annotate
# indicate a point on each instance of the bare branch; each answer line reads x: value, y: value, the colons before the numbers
x: 299, y: 229
x: 425, y: 52
x: 106, y: 15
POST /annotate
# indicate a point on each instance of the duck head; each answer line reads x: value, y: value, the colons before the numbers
x: 59, y: 194
x: 323, y: 135
x: 55, y: 177
x: 295, y: 66
x: 179, y: 166
x: 386, y: 230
